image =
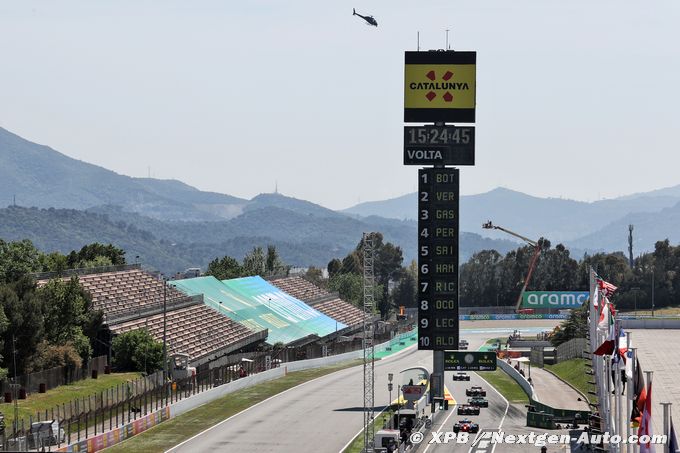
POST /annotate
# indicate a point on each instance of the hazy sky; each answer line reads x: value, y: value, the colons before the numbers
x: 575, y: 98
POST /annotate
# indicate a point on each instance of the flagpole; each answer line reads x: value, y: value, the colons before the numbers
x: 629, y: 393
x: 649, y: 383
x: 617, y: 399
x: 666, y: 426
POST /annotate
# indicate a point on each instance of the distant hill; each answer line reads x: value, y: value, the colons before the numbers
x: 648, y: 228
x: 557, y: 219
x: 42, y: 177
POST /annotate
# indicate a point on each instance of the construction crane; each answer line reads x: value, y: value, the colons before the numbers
x: 534, y: 259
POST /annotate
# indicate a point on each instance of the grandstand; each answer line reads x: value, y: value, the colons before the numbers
x: 131, y: 298
x: 327, y: 303
x: 258, y: 305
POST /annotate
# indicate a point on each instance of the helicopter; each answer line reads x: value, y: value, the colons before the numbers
x: 369, y: 19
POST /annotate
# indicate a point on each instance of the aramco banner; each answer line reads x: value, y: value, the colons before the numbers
x: 554, y: 299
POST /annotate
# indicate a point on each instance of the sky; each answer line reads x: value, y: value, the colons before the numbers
x: 575, y: 99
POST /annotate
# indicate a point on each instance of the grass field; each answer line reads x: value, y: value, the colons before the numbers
x: 176, y: 430
x: 506, y: 385
x: 574, y: 372
x: 665, y: 311
x: 357, y: 444
x: 39, y: 402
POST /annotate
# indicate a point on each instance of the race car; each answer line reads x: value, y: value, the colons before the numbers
x: 475, y: 391
x: 466, y: 426
x: 461, y: 377
x: 468, y: 409
x: 478, y: 401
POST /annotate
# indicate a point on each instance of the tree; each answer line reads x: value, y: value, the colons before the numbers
x: 349, y: 286
x: 50, y: 356
x: 273, y: 264
x: 406, y: 292
x: 254, y: 263
x: 24, y: 313
x: 66, y: 306
x: 95, y: 254
x: 576, y: 326
x: 334, y: 267
x: 225, y: 268
x: 315, y: 275
x: 136, y: 350
x: 18, y: 259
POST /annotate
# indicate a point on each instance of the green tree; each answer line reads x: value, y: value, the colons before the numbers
x: 50, y: 356
x: 273, y: 264
x: 406, y: 291
x: 576, y: 326
x: 225, y: 268
x: 95, y: 254
x: 349, y: 286
x: 23, y: 310
x: 18, y: 259
x: 315, y: 275
x: 254, y: 263
x: 334, y: 267
x: 137, y: 351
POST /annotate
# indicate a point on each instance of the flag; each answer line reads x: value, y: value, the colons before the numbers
x: 672, y: 440
x: 596, y: 296
x: 639, y: 394
x: 606, y: 287
x: 629, y: 364
x: 609, y: 345
x: 646, y: 422
x: 605, y: 317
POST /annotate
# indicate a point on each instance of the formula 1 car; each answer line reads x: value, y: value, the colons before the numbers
x: 475, y: 391
x: 461, y: 377
x: 468, y: 409
x: 478, y: 401
x: 466, y: 426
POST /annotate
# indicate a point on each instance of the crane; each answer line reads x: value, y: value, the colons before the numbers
x: 534, y: 259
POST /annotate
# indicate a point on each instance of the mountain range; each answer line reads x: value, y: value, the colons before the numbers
x: 63, y: 203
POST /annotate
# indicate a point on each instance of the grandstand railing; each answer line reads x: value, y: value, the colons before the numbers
x: 137, y: 312
x: 84, y: 271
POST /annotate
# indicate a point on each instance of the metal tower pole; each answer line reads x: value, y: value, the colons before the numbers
x: 369, y: 364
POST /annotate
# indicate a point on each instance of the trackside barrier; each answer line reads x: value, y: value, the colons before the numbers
x: 508, y: 317
x: 118, y: 435
x: 565, y: 415
x: 653, y: 323
x: 540, y: 420
x: 528, y: 389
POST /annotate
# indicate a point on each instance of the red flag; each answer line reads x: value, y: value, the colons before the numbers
x: 646, y: 422
x: 606, y: 287
x: 639, y: 392
x: 608, y: 346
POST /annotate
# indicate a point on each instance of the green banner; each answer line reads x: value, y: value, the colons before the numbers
x: 554, y: 299
x: 469, y: 361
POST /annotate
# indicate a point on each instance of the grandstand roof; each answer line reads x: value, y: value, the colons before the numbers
x: 257, y: 304
x: 327, y: 303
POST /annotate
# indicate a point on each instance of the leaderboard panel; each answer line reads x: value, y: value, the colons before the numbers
x: 438, y: 225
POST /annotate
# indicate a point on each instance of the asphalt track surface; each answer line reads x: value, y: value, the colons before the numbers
x: 324, y: 414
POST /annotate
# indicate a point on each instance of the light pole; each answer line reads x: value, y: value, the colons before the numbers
x: 652, y: 292
x: 635, y: 289
x: 389, y: 389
